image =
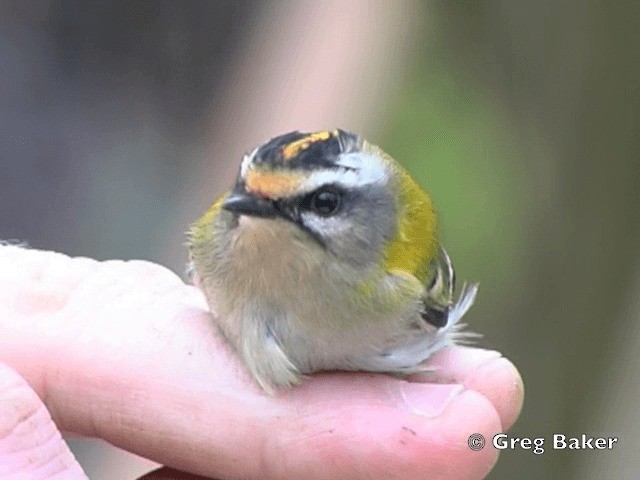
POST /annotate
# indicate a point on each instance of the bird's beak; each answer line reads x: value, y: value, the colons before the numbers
x: 247, y: 204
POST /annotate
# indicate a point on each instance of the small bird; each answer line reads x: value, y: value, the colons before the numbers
x: 325, y: 256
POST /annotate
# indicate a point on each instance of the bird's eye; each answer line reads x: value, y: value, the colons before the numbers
x: 324, y: 201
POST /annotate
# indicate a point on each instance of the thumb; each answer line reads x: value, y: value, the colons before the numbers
x: 31, y: 446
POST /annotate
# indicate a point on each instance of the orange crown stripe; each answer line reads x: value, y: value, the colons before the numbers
x: 293, y: 149
x: 272, y: 184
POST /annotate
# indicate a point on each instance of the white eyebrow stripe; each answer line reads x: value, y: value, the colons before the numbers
x: 358, y: 169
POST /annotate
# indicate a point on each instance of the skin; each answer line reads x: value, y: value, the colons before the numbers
x: 126, y: 352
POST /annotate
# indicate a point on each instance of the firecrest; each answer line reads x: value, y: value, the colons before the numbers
x: 325, y: 256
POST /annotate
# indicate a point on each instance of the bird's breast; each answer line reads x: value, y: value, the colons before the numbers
x: 273, y: 258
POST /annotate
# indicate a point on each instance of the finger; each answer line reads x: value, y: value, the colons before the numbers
x: 454, y: 456
x: 376, y: 426
x: 148, y: 372
x: 486, y: 372
x: 30, y: 444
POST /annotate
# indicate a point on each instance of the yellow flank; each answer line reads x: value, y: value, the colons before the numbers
x: 415, y: 243
x: 292, y: 150
x: 272, y: 184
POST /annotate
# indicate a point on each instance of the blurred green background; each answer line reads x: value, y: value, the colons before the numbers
x: 120, y: 121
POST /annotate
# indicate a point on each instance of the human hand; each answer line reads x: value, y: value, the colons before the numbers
x: 126, y: 352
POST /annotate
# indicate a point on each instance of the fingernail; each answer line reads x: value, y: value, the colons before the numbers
x: 428, y: 400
